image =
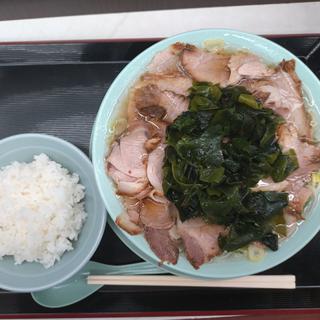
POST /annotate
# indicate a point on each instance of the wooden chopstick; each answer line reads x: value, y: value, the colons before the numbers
x: 264, y: 281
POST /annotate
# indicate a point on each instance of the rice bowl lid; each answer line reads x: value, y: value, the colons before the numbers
x: 233, y: 266
x: 29, y: 277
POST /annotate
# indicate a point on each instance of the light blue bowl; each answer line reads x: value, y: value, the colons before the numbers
x: 29, y: 277
x: 235, y: 266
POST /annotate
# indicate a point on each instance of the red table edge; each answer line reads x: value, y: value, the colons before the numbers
x: 272, y: 36
x: 258, y: 312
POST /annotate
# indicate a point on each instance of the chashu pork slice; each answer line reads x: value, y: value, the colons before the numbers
x: 129, y: 220
x: 200, y: 240
x: 308, y: 154
x: 152, y: 103
x: 128, y: 155
x: 203, y: 65
x: 127, y: 161
x: 157, y: 214
x: 282, y: 93
x: 127, y: 185
x: 245, y: 65
x: 167, y: 61
x: 175, y: 82
x: 154, y: 168
x: 164, y: 246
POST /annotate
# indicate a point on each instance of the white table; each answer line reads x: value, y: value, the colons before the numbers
x: 294, y: 18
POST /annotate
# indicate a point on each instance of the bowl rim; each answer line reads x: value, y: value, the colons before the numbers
x: 102, y: 225
x: 121, y: 234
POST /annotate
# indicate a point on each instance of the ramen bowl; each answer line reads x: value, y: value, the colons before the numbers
x: 230, y: 265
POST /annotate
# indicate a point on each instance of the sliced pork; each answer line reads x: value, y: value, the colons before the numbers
x: 125, y: 223
x: 128, y: 155
x: 177, y: 83
x: 200, y: 240
x: 162, y: 244
x: 129, y: 220
x: 247, y: 66
x: 174, y: 105
x: 307, y: 153
x: 202, y: 65
x: 157, y: 215
x: 126, y: 163
x: 153, y: 104
x: 167, y: 61
x: 282, y: 93
x: 144, y: 193
x: 152, y: 143
x: 126, y: 184
x: 154, y: 168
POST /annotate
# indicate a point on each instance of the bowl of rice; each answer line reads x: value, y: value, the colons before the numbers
x: 51, y: 215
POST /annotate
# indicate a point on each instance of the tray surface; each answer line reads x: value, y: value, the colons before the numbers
x: 57, y: 89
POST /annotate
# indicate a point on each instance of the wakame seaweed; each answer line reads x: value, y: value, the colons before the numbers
x: 216, y: 151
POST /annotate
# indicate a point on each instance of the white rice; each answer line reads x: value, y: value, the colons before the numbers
x: 41, y: 210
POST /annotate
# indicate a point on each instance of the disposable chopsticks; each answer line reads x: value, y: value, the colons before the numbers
x: 263, y: 281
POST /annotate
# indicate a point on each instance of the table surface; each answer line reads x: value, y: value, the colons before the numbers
x: 57, y: 89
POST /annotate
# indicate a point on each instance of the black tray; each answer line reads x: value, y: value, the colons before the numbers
x: 57, y: 89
